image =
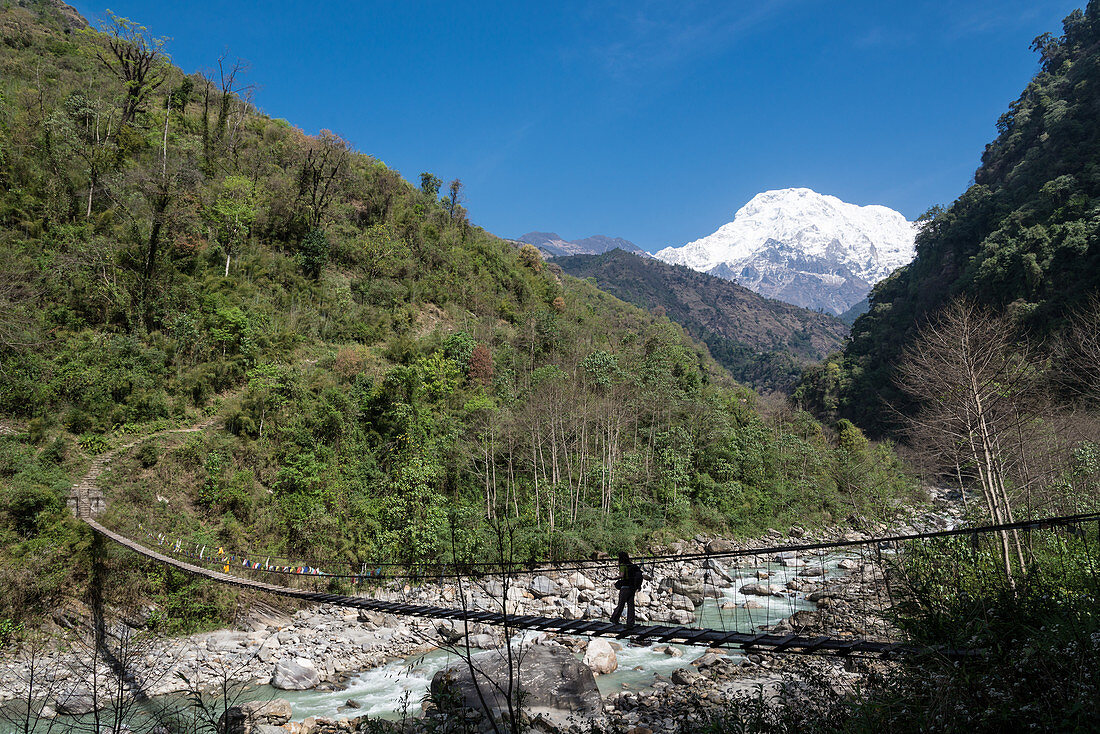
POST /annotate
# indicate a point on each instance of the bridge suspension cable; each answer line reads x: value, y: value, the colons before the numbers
x: 749, y: 642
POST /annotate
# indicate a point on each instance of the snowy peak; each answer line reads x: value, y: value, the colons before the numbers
x: 552, y: 244
x: 803, y: 247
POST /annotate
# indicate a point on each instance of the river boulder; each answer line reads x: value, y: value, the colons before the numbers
x: 295, y: 674
x: 542, y: 586
x: 582, y: 582
x: 803, y: 619
x: 762, y: 589
x: 679, y: 601
x: 832, y: 592
x: 553, y: 682
x: 600, y: 657
x: 681, y: 616
x: 720, y: 545
x: 689, y: 587
x: 685, y: 677
x: 76, y: 703
x: 718, y: 570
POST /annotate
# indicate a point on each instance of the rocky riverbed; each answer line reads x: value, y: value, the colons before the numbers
x: 322, y: 647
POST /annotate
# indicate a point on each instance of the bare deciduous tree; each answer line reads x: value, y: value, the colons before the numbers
x: 971, y: 377
x: 1078, y: 354
x: 131, y: 53
x: 324, y: 163
x: 231, y: 99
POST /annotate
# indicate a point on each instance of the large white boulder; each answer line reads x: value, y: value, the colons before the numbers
x: 600, y: 657
x: 295, y: 674
x: 542, y: 586
x: 580, y: 581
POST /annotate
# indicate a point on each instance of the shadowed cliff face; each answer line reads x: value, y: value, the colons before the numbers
x: 810, y: 282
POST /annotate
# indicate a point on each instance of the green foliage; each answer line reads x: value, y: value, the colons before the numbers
x: 440, y: 375
x: 148, y: 454
x: 1039, y: 667
x: 414, y: 514
x: 458, y: 348
x: 233, y: 212
x: 377, y: 361
x: 313, y: 253
x: 93, y: 444
x: 1024, y: 238
x: 602, y: 368
x: 9, y: 630
x: 851, y: 439
x: 429, y: 184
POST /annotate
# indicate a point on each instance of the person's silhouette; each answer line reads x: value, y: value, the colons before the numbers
x: 630, y: 580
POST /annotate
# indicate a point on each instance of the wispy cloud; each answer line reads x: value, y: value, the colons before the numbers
x: 991, y: 16
x: 956, y: 22
x: 503, y: 149
x: 631, y: 39
x: 880, y: 37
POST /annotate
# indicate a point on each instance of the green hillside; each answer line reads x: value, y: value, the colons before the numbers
x: 1025, y: 237
x: 762, y: 342
x: 379, y: 369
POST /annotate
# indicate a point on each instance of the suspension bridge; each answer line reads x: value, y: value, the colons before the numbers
x: 868, y: 640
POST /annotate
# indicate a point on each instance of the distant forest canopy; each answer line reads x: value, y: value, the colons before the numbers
x: 764, y: 343
x: 1024, y: 239
x: 388, y: 380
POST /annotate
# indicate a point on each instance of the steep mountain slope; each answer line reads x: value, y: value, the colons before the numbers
x: 761, y: 341
x: 1024, y: 237
x: 802, y: 247
x: 379, y: 370
x: 553, y: 245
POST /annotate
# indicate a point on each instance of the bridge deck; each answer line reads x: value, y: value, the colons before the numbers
x: 748, y: 642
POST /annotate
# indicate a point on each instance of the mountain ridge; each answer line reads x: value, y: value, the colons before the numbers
x: 763, y: 342
x: 553, y: 245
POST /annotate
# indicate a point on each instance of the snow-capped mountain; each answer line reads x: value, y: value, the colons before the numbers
x: 804, y: 248
x: 553, y: 245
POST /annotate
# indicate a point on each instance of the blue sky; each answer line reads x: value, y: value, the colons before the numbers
x: 653, y: 121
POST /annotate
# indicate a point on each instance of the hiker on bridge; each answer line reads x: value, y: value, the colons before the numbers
x: 630, y: 580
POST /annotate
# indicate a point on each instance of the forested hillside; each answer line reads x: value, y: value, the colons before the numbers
x: 378, y: 369
x: 762, y: 342
x: 1024, y: 238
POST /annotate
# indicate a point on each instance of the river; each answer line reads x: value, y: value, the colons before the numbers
x: 397, y: 689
